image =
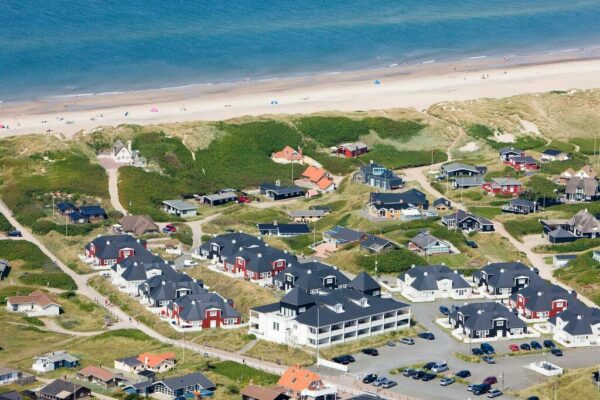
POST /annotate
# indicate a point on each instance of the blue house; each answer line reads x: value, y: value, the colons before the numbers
x: 175, y: 387
x: 54, y: 360
x: 378, y: 176
x: 93, y: 212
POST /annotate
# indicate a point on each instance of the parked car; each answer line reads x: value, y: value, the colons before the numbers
x: 166, y: 231
x: 370, y: 351
x: 428, y: 377
x: 440, y: 367
x: 465, y: 373
x: 14, y: 233
x: 536, y: 345
x: 344, y: 360
x: 244, y: 199
x: 391, y: 344
x: 444, y: 310
x: 488, y: 360
x: 406, y: 340
x: 472, y: 244
x: 477, y: 351
x: 389, y: 384
x: 380, y: 381
x: 470, y: 387
x: 556, y: 352
x: 454, y: 307
x: 408, y: 371
x: 426, y: 336
x: 514, y: 347
x: 418, y: 374
x: 549, y: 344
x: 525, y: 346
x: 532, y: 398
x: 480, y: 389
x: 189, y: 263
x: 447, y: 381
x: 429, y: 365
x: 494, y: 393
x: 490, y: 380
x: 171, y: 227
x: 487, y: 348
x: 369, y: 379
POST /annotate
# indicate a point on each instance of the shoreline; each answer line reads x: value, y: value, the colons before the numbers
x: 400, y: 86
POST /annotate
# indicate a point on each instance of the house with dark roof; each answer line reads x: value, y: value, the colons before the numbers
x: 175, y: 387
x: 458, y: 169
x: 283, y: 230
x: 391, y: 205
x: 577, y: 326
x: 55, y: 360
x: 520, y: 206
x: 378, y: 177
x: 93, y: 212
x: 275, y: 191
x: 538, y: 302
x: 581, y: 189
x: 330, y: 316
x: 425, y: 243
x: 159, y: 292
x: 467, y: 222
x: 501, y: 279
x: 222, y: 247
x: 554, y: 155
x: 341, y: 236
x: 12, y: 395
x: 258, y: 263
x: 376, y: 244
x: 311, y: 276
x: 131, y: 272
x: 486, y: 320
x: 202, y: 310
x: 105, y: 251
x: 306, y: 216
x: 442, y: 204
x: 581, y: 225
x: 218, y: 199
x: 65, y: 207
x: 509, y: 186
x: 506, y: 153
x: 523, y: 163
x: 433, y: 282
x: 62, y: 390
x: 467, y: 182
x: 4, y: 268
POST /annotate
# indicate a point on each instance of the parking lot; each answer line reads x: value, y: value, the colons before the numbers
x: 516, y: 376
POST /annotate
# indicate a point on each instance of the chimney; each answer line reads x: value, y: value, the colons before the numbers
x: 425, y: 273
x: 370, y: 161
x: 108, y: 242
x: 540, y: 293
x: 479, y: 311
x: 579, y: 316
x: 308, y: 271
x: 456, y: 271
x: 259, y: 255
x: 163, y: 283
x: 501, y: 270
x: 275, y: 222
x: 412, y: 266
x: 277, y: 183
x: 233, y: 241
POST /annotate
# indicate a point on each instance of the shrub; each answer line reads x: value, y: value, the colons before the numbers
x: 4, y: 224
x: 331, y: 131
x: 392, y: 158
x: 232, y: 389
x: 401, y: 130
x: 133, y: 334
x: 541, y: 187
x: 58, y: 280
x: 523, y: 227
x: 28, y: 252
x: 578, y: 245
x: 394, y: 261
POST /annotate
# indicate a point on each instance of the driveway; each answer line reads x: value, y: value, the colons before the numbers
x: 112, y: 170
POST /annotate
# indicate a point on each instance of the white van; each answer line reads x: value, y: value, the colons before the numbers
x: 439, y: 367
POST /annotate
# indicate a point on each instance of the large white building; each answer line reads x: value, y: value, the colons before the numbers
x: 577, y: 326
x: 433, y: 282
x: 329, y: 317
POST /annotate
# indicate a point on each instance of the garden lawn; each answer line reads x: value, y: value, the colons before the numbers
x: 273, y: 352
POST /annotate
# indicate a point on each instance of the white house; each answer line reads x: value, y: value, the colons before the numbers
x: 577, y: 326
x: 36, y: 304
x: 8, y: 375
x: 123, y: 154
x: 54, y: 360
x: 180, y: 208
x: 433, y: 282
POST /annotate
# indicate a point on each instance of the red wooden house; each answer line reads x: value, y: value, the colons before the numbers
x: 541, y: 302
x: 105, y: 251
x: 350, y: 150
x: 523, y: 163
x: 257, y: 263
x: 503, y: 186
x: 202, y: 311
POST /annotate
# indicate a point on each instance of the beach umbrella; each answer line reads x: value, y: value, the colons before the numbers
x: 1, y: 126
x: 154, y: 109
x: 377, y: 82
x: 127, y: 113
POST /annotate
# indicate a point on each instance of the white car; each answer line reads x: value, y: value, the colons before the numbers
x: 189, y: 263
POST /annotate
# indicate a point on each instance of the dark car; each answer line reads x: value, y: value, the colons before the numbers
x: 418, y: 374
x: 426, y: 335
x: 536, y: 345
x: 525, y: 346
x: 14, y: 233
x: 428, y: 377
x: 477, y: 351
x: 549, y: 344
x: 556, y: 352
x: 454, y: 307
x: 487, y: 348
x: 488, y: 360
x: 344, y: 360
x: 370, y: 351
x: 429, y: 365
x: 408, y: 371
x: 444, y: 310
x: 532, y: 398
x: 490, y: 380
x: 369, y: 378
x: 472, y: 244
x: 465, y: 373
x: 481, y: 389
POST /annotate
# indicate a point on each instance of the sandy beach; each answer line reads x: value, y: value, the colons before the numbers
x: 416, y: 86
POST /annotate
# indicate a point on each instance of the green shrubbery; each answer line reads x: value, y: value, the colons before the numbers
x: 486, y: 134
x: 29, y: 253
x: 390, y: 262
x: 331, y: 131
x: 392, y: 158
x: 58, y: 280
x: 578, y: 245
x: 4, y: 224
x: 243, y: 374
x: 540, y: 187
x: 523, y: 227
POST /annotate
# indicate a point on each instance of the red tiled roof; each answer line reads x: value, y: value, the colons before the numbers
x: 154, y: 360
x: 289, y: 154
x: 313, y: 173
x: 37, y: 297
x: 298, y: 379
x: 97, y: 372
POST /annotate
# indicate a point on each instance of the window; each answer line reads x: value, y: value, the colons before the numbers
x: 276, y: 326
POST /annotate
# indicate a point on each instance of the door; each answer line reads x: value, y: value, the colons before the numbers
x: 213, y: 323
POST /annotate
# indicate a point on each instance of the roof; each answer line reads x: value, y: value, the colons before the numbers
x: 310, y: 275
x: 552, y: 152
x: 261, y: 393
x: 13, y: 395
x: 410, y: 197
x: 584, y: 222
x: 459, y: 166
x: 64, y: 205
x: 281, y: 190
x: 461, y: 215
x: 324, y: 183
x: 298, y: 379
x: 4, y: 370
x: 503, y: 274
x: 314, y: 174
x: 424, y: 239
x: 373, y: 242
x: 261, y: 259
x: 353, y: 146
x: 565, y: 256
x: 108, y: 246
x: 588, y: 185
x: 61, y: 389
x: 343, y: 234
x: 154, y: 360
x: 184, y: 381
x: 524, y: 160
x: 365, y: 282
x: 87, y: 211
x: 131, y: 361
x: 59, y: 355
x: 179, y: 204
x: 506, y: 182
x: 138, y: 224
x: 426, y: 277
x: 561, y: 233
x: 288, y: 153
x: 298, y: 296
x: 441, y: 201
x: 193, y: 307
x: 522, y: 203
x: 308, y: 213
x: 469, y: 181
x: 283, y: 229
x: 480, y: 316
x: 510, y: 150
x: 539, y: 297
x: 36, y: 297
x: 580, y: 319
x: 221, y: 196
x: 97, y: 372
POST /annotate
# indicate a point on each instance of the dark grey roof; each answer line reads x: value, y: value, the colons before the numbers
x: 64, y: 388
x: 469, y: 181
x: 424, y: 239
x: 376, y: 171
x: 343, y: 234
x: 459, y: 166
x: 442, y: 201
x: 62, y: 206
x: 461, y: 215
x: 503, y: 274
x: 221, y: 196
x: 524, y: 159
x: 539, y: 297
x: 14, y: 395
x: 522, y: 203
x: 552, y: 152
x: 285, y: 229
x: 180, y: 205
x: 365, y: 282
x: 136, y: 268
x: 232, y: 242
x: 281, y: 190
x: 107, y: 247
x: 184, y: 381
x: 310, y: 275
x: 317, y: 213
x: 158, y: 288
x: 480, y: 316
x: 261, y: 259
x: 580, y: 318
x: 131, y: 361
x: 90, y: 211
x: 426, y: 277
x: 412, y: 197
x: 561, y: 233
x: 510, y: 150
x: 193, y: 307
x: 374, y: 243
x: 298, y: 297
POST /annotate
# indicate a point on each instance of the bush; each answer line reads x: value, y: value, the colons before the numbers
x: 392, y: 158
x: 486, y: 134
x: 401, y: 130
x: 394, y: 261
x: 25, y: 251
x: 115, y: 215
x: 4, y: 224
x: 133, y: 334
x: 232, y: 389
x: 332, y: 131
x: 523, y: 227
x: 242, y: 373
x: 541, y: 187
x: 578, y: 245
x: 58, y: 280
